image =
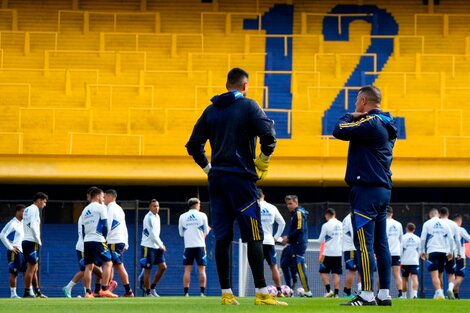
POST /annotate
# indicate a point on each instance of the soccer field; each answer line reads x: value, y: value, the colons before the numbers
x: 212, y: 305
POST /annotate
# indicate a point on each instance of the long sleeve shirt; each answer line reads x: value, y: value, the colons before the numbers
x: 332, y: 234
x: 151, y: 231
x: 394, y: 236
x: 298, y: 231
x: 436, y: 236
x: 31, y: 224
x: 117, y: 225
x: 270, y: 215
x: 12, y: 234
x: 193, y: 227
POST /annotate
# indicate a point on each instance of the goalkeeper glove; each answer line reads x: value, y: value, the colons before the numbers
x: 207, y: 168
x: 261, y: 165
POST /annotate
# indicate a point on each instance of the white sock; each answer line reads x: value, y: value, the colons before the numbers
x: 367, y: 295
x: 70, y: 285
x: 451, y: 287
x: 227, y: 291
x: 383, y: 294
x: 263, y: 290
x: 439, y: 292
x: 31, y: 291
x: 359, y: 287
x: 84, y: 290
x: 414, y: 293
x: 13, y: 291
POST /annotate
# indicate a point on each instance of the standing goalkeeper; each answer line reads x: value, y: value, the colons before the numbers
x: 232, y: 124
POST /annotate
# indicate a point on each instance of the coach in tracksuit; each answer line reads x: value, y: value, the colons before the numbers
x: 371, y: 134
x: 232, y: 124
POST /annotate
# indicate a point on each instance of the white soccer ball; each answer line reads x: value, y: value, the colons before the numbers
x: 272, y: 290
x: 287, y: 291
x: 79, y: 296
x: 300, y: 292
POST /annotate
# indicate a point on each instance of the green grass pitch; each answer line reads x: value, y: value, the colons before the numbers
x: 212, y: 305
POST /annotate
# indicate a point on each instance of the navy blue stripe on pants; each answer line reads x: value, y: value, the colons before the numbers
x: 369, y: 212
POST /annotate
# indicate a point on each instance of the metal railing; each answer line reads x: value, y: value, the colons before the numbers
x: 445, y: 20
x: 285, y: 38
x: 228, y: 19
x: 304, y: 19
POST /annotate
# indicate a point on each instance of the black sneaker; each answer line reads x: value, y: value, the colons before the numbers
x: 384, y: 302
x: 358, y: 301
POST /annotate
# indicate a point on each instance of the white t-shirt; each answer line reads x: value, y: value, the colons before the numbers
x: 12, y: 234
x: 332, y: 234
x: 94, y: 217
x: 454, y: 229
x: 464, y: 236
x: 31, y: 222
x: 117, y: 228
x: 394, y: 236
x: 270, y: 215
x: 151, y: 231
x: 436, y: 236
x: 348, y: 234
x: 193, y: 227
x: 80, y: 246
x: 410, y: 252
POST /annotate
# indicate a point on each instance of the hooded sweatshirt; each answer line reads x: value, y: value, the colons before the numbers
x: 371, y: 142
x: 232, y: 124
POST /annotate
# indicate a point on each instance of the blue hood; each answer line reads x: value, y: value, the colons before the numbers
x: 226, y: 99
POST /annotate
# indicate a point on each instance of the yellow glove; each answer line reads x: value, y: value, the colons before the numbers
x: 261, y: 165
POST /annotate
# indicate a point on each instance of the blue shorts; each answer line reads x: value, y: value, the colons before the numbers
x: 30, y: 251
x: 396, y: 260
x: 151, y: 256
x: 16, y: 263
x: 234, y: 197
x: 450, y: 266
x: 117, y: 249
x: 197, y: 254
x: 407, y: 270
x: 436, y: 261
x: 350, y: 260
x: 330, y: 264
x: 270, y: 254
x: 460, y: 266
x: 96, y: 252
x: 81, y: 260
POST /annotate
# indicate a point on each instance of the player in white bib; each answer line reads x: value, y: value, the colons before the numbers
x: 152, y: 249
x: 394, y: 236
x: 436, y: 249
x: 95, y: 229
x: 457, y: 253
x: 460, y: 263
x: 12, y: 237
x: 31, y: 244
x: 117, y: 239
x: 332, y: 235
x: 269, y: 216
x: 193, y: 227
x: 410, y: 253
x: 350, y: 257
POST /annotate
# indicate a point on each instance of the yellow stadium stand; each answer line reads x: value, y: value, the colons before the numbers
x: 126, y: 80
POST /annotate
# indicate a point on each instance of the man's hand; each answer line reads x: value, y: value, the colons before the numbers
x: 358, y: 115
x: 261, y: 165
x: 450, y: 256
x: 423, y: 256
x: 164, y: 249
x: 285, y: 240
x: 16, y: 250
x: 207, y: 168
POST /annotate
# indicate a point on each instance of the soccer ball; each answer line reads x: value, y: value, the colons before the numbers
x: 272, y: 290
x: 300, y: 292
x: 287, y: 291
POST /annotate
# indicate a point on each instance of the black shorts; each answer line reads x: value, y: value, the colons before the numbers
x: 151, y: 256
x: 30, y: 251
x: 234, y: 197
x: 197, y: 254
x: 436, y: 261
x: 331, y: 264
x: 96, y: 252
x: 270, y: 254
x: 460, y: 266
x: 350, y: 260
x: 396, y: 260
x: 450, y: 266
x: 117, y: 249
x: 16, y: 263
x: 407, y: 270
